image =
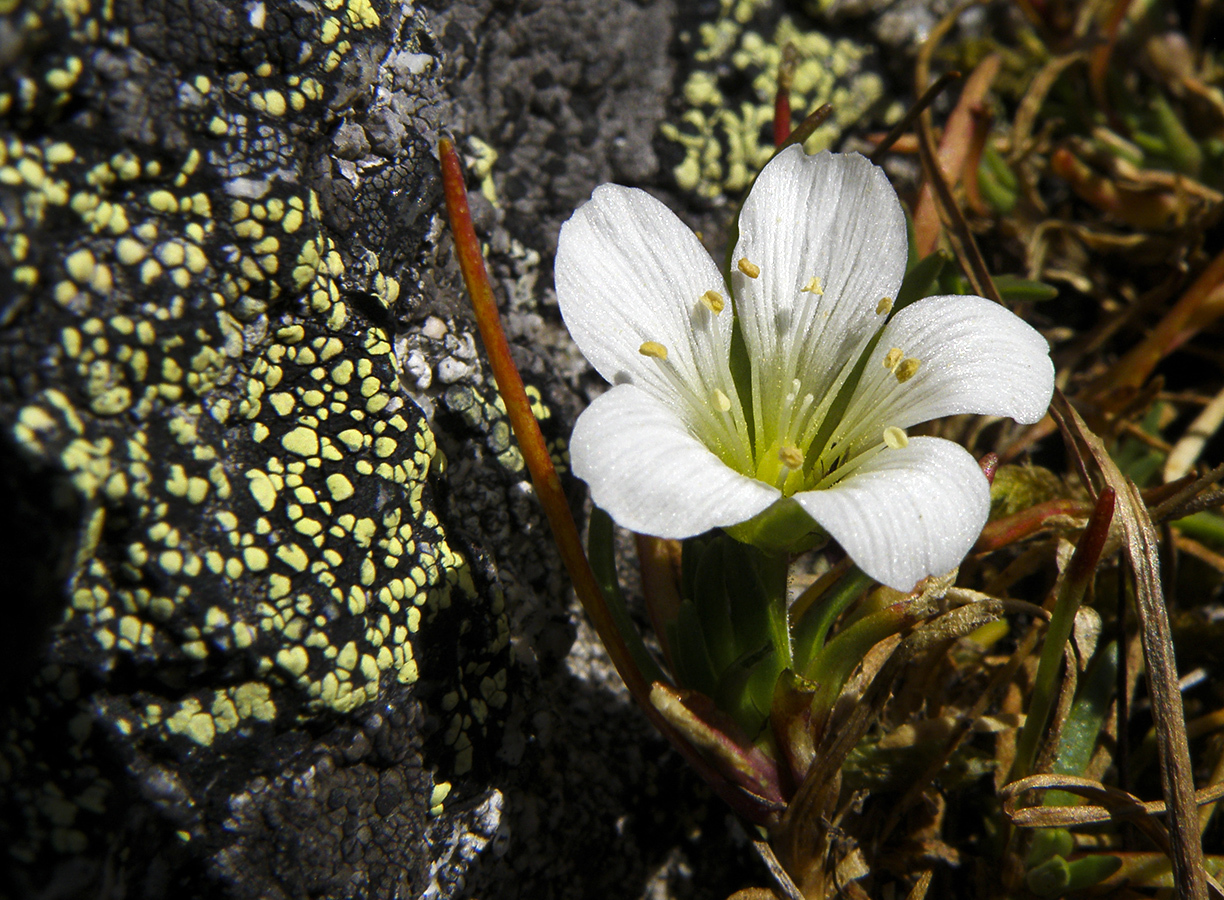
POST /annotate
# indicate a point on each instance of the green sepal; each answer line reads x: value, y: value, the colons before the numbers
x: 782, y: 528
x: 712, y: 604
x: 748, y: 598
x: 732, y: 637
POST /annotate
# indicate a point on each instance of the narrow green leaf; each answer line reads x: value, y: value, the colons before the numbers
x: 601, y: 553
x: 810, y: 631
x: 920, y: 278
x: 1014, y: 289
x: 694, y: 669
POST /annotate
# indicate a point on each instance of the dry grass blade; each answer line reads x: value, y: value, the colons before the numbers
x: 927, y: 98
x: 1113, y: 803
x: 959, y: 235
x: 1132, y: 370
x: 1143, y: 554
x: 1192, y: 498
x: 1034, y: 100
x: 954, y: 149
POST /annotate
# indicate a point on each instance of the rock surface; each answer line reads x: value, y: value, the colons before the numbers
x: 284, y: 618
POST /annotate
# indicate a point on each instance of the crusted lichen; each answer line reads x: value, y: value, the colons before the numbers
x: 725, y: 127
x: 259, y: 546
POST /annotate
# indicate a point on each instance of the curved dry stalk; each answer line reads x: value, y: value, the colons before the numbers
x: 1097, y: 470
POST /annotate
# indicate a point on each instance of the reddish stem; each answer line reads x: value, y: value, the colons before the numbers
x: 544, y: 476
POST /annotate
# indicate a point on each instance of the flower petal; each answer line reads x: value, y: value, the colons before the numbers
x: 830, y: 216
x: 628, y: 271
x: 651, y: 475
x: 975, y: 356
x: 906, y: 513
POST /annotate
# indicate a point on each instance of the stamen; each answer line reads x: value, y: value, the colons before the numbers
x: 713, y: 301
x: 653, y: 348
x: 752, y: 270
x: 790, y: 456
x: 907, y: 369
x: 884, y: 307
x: 721, y: 400
x: 895, y: 437
x: 812, y: 287
x: 892, y: 357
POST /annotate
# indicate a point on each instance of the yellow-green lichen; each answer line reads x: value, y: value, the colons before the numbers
x: 726, y: 139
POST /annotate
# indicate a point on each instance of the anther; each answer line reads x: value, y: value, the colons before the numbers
x: 812, y: 287
x: 892, y: 357
x: 721, y: 400
x: 895, y: 438
x: 752, y: 270
x: 790, y: 456
x: 906, y: 370
x: 713, y: 301
x: 884, y: 307
x: 653, y: 348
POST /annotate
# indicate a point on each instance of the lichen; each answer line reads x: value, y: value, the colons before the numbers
x: 724, y: 129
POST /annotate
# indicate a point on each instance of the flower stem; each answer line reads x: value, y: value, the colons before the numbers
x: 544, y: 476
x: 526, y: 429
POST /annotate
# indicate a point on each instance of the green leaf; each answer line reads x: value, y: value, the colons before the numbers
x: 712, y: 605
x: 602, y: 555
x: 920, y: 278
x: 808, y: 636
x: 685, y: 636
x: 1014, y: 289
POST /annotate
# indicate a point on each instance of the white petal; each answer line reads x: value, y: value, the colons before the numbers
x: 830, y: 216
x: 627, y: 272
x: 906, y: 513
x: 975, y: 357
x: 651, y: 475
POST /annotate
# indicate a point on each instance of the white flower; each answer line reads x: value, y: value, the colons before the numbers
x: 673, y: 449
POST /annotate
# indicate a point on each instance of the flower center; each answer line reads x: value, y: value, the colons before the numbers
x: 812, y: 427
x: 820, y: 428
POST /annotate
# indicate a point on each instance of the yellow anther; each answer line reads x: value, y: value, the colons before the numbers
x: 653, y: 348
x: 721, y: 400
x: 892, y: 357
x: 906, y: 370
x: 884, y: 307
x: 713, y: 301
x: 751, y: 269
x: 790, y: 456
x: 812, y: 287
x: 895, y: 438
